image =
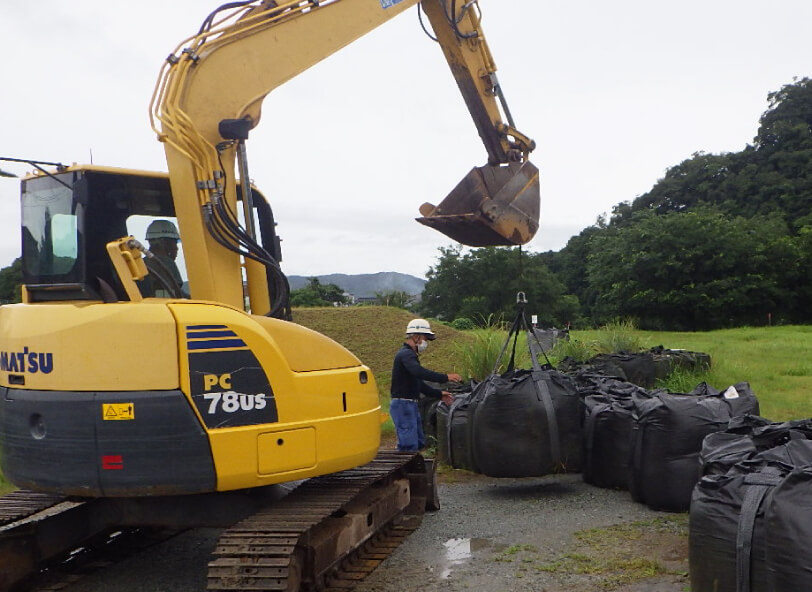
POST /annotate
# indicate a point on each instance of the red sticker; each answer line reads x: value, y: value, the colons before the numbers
x: 112, y: 462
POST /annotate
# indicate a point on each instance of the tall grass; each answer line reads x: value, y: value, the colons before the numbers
x: 579, y: 350
x: 683, y: 381
x: 478, y: 357
x: 619, y: 336
x: 614, y: 337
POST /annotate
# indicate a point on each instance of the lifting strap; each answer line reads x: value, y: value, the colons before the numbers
x: 759, y: 484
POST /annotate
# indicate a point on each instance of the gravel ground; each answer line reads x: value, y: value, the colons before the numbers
x: 504, y: 534
x: 491, y: 534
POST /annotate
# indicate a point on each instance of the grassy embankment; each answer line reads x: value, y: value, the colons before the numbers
x: 375, y: 333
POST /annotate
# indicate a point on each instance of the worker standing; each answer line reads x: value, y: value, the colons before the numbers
x: 408, y: 378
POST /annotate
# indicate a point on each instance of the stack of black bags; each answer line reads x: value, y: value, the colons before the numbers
x: 746, y: 481
x: 649, y: 441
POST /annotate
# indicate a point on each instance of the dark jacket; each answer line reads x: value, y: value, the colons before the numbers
x: 408, y: 376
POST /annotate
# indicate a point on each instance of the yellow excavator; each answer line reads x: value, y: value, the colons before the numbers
x: 185, y: 408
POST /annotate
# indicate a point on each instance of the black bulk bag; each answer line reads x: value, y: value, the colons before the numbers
x: 452, y: 433
x: 789, y: 533
x: 744, y: 437
x: 667, y: 437
x: 679, y: 359
x: 635, y: 368
x: 642, y: 368
x: 607, y: 427
x: 430, y: 410
x: 428, y: 417
x: 716, y: 509
x: 736, y: 524
x: 526, y: 423
x: 442, y: 433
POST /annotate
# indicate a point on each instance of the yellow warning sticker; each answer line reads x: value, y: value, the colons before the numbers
x: 117, y: 411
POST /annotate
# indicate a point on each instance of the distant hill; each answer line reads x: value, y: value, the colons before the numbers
x: 365, y: 285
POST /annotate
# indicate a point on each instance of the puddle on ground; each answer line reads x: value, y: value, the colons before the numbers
x: 458, y: 551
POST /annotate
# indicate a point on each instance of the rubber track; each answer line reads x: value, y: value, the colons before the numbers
x: 259, y: 552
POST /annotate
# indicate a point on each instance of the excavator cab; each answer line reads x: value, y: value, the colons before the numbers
x: 69, y: 216
x: 493, y: 205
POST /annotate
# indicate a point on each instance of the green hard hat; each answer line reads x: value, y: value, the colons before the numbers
x: 162, y: 229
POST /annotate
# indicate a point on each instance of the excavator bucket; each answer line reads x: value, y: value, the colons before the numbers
x: 491, y: 206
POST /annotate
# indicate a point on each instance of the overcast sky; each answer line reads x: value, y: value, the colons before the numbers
x: 614, y: 93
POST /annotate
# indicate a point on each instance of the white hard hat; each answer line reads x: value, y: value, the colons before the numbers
x: 421, y: 327
x: 162, y: 229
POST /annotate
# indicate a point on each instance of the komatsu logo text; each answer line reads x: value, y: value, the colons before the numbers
x: 26, y: 361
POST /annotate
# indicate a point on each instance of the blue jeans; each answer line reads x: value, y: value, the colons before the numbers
x: 406, y: 417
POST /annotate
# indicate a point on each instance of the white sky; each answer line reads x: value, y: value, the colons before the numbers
x: 614, y: 93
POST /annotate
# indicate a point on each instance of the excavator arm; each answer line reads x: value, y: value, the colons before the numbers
x: 209, y: 96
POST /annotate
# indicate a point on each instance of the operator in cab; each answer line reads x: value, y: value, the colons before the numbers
x: 164, y: 279
x: 408, y: 378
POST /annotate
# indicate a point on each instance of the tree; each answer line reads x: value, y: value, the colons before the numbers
x: 788, y: 120
x: 11, y: 278
x: 484, y: 282
x: 769, y: 176
x: 317, y: 294
x: 694, y: 270
x: 569, y: 266
x: 767, y: 184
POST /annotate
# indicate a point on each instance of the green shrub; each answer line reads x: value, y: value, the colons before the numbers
x: 463, y: 324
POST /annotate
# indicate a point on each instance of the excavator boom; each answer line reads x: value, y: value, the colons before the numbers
x: 210, y: 95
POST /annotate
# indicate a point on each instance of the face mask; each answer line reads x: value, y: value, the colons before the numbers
x: 421, y: 347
